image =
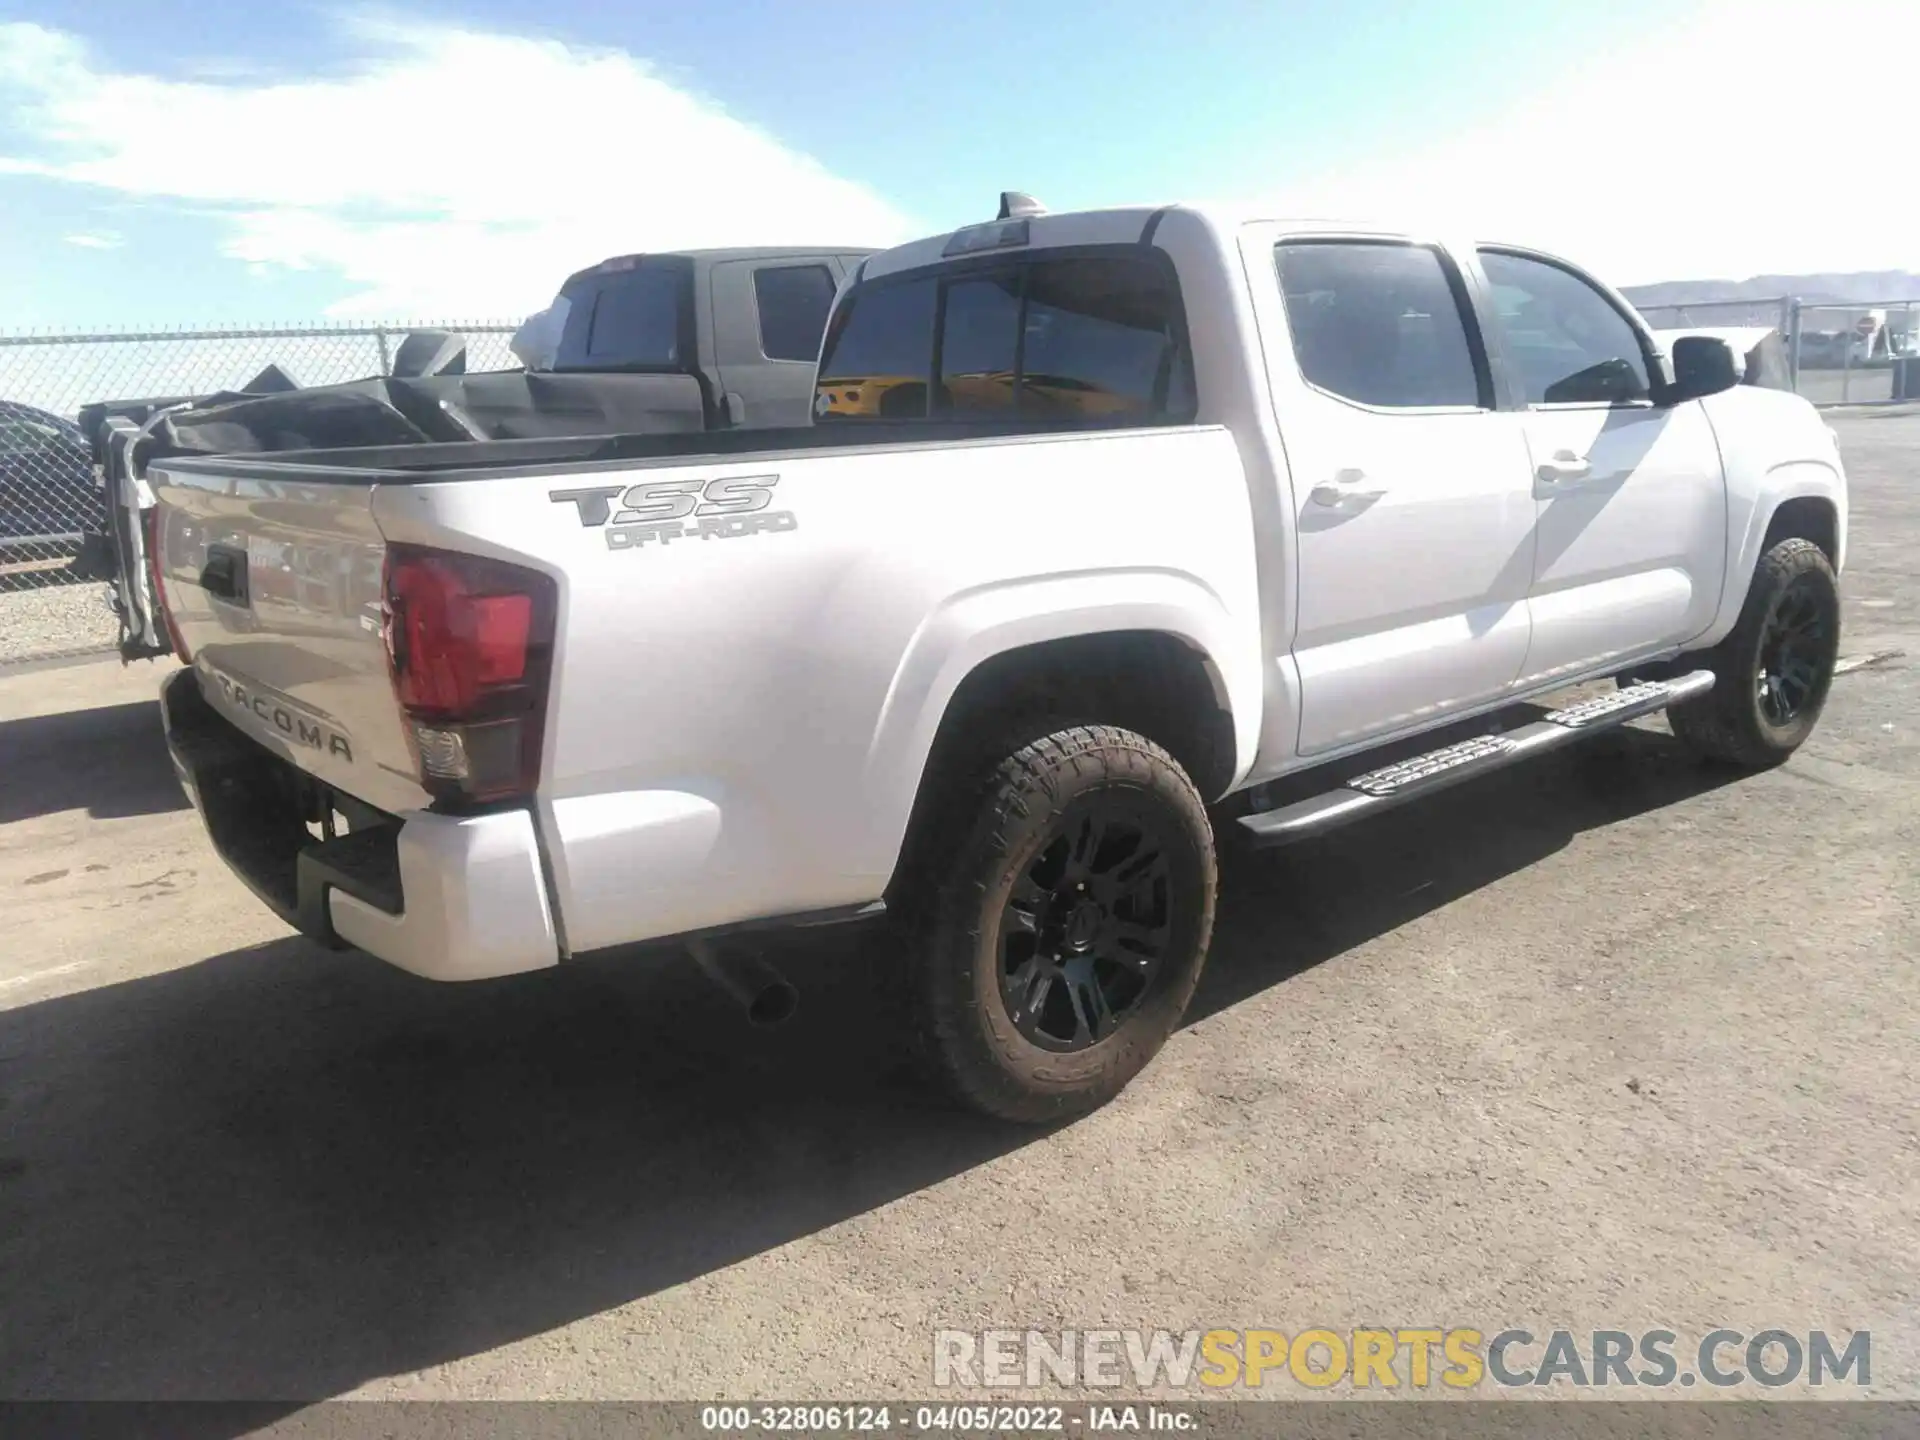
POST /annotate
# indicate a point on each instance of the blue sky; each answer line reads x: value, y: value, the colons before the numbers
x: 173, y: 161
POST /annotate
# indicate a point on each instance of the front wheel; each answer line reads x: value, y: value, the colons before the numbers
x: 1774, y: 669
x: 1067, y: 925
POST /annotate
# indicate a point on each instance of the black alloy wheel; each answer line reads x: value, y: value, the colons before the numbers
x: 1061, y: 908
x: 1793, y: 652
x: 1086, y: 926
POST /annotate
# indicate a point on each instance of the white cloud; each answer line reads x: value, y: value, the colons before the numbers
x: 455, y: 172
x: 452, y: 172
x: 97, y: 240
x: 1744, y: 139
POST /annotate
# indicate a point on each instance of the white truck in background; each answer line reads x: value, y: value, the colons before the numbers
x: 1110, y: 527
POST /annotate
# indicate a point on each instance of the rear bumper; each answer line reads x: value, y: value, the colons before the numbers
x: 443, y: 896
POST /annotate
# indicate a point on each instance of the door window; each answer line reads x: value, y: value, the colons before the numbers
x: 1569, y: 343
x: 793, y: 301
x: 1380, y: 323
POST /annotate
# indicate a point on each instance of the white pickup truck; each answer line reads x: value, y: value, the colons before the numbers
x: 1110, y: 527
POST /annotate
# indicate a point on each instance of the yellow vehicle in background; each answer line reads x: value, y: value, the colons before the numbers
x: 871, y: 396
x: 905, y: 396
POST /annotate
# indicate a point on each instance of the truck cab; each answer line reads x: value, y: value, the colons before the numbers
x: 747, y: 322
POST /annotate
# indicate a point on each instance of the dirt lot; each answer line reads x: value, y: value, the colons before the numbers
x: 1613, y: 1042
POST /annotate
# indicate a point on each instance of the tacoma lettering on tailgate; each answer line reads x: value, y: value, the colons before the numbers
x: 663, y: 511
x: 296, y: 725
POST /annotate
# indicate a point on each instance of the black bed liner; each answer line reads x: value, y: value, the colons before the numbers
x: 496, y: 459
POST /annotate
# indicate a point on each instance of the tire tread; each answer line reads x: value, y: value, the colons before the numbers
x: 1724, y: 724
x: 952, y: 920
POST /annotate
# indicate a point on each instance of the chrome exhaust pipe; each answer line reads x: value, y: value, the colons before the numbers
x: 762, y: 991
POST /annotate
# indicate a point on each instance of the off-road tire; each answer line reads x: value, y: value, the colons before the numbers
x: 1004, y: 824
x: 1729, y: 723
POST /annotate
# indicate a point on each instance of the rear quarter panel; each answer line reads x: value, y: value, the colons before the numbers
x: 739, y: 724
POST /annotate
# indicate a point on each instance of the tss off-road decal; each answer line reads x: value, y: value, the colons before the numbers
x: 679, y: 509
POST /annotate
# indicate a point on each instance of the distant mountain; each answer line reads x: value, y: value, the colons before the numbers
x: 1845, y: 289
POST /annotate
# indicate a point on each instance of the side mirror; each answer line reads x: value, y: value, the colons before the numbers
x: 1609, y: 382
x: 1702, y: 366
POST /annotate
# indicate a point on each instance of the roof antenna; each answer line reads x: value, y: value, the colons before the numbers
x: 1015, y: 203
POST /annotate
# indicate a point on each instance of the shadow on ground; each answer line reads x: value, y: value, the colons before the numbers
x: 112, y: 761
x: 277, y: 1173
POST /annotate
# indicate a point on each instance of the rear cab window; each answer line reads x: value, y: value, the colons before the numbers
x: 1060, y: 338
x: 879, y: 353
x: 632, y: 314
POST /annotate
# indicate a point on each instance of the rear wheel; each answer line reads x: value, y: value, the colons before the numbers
x: 1774, y: 669
x: 1066, y: 925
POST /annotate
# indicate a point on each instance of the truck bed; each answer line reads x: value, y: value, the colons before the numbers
x: 494, y: 459
x: 752, y: 634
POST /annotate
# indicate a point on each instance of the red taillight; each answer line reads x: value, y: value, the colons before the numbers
x: 469, y: 643
x: 151, y: 518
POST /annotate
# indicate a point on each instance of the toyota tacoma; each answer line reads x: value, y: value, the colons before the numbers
x: 1156, y: 520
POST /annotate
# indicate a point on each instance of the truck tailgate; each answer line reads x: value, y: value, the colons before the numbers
x: 275, y: 589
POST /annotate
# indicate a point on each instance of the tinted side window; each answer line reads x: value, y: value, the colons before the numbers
x: 1085, y: 337
x: 793, y: 302
x: 1568, y: 342
x: 979, y: 345
x: 877, y: 359
x: 636, y: 320
x: 1103, y: 339
x: 1378, y: 323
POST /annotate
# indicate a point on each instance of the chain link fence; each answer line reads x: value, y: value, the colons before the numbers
x: 51, y: 491
x: 1775, y: 314
x: 52, y: 497
x: 1854, y: 353
x: 1866, y: 354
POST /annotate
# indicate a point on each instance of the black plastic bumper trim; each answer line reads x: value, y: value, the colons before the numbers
x: 248, y: 799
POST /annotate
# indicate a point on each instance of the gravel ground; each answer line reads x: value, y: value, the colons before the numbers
x: 55, y: 619
x: 1615, y: 1041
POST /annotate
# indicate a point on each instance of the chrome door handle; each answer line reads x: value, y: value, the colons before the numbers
x: 1564, y: 468
x: 1344, y: 488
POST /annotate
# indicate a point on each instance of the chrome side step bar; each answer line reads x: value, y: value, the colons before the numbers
x: 1405, y: 780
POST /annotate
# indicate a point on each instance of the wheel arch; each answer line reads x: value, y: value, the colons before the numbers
x: 1806, y: 517
x: 1803, y: 499
x: 1150, y: 651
